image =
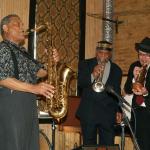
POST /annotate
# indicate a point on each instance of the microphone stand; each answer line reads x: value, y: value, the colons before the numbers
x: 122, y: 105
x: 126, y: 121
x: 122, y: 124
x: 53, y: 135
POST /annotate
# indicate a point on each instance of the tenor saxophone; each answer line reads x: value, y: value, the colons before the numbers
x: 59, y: 75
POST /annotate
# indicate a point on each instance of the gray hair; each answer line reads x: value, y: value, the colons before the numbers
x: 5, y: 21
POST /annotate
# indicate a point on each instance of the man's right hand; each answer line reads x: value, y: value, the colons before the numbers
x: 97, y: 70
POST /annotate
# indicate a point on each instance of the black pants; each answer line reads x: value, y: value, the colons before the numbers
x: 142, y: 127
x: 90, y: 129
x: 18, y: 121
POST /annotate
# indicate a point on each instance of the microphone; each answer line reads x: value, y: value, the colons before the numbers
x: 110, y: 89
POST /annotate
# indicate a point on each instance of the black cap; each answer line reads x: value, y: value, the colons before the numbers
x: 144, y: 45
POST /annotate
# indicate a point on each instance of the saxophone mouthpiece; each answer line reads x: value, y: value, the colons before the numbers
x: 38, y: 29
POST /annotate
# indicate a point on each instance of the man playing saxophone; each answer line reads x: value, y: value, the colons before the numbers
x: 97, y: 109
x: 19, y: 74
x: 138, y: 84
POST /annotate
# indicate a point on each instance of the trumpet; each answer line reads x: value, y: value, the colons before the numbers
x: 139, y: 81
x: 38, y: 29
x: 98, y: 85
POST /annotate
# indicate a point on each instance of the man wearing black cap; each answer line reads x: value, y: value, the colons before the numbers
x: 138, y: 84
x: 97, y: 109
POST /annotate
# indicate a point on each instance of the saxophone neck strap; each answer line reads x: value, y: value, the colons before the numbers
x: 16, y: 71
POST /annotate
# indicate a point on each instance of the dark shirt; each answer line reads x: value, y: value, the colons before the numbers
x: 27, y: 67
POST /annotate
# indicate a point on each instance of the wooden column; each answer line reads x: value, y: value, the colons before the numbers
x: 93, y: 32
x: 20, y: 7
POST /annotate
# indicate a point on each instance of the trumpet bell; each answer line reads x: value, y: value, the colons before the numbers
x: 98, y: 87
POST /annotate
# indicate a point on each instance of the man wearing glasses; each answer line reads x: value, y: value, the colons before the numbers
x: 138, y: 84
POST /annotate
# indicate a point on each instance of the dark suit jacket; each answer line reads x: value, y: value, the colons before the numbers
x: 128, y: 85
x: 97, y: 106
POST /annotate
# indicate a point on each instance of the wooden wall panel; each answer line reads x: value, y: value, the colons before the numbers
x: 63, y: 17
x: 19, y: 7
x: 128, y: 142
x: 63, y: 140
x: 68, y: 133
x: 67, y: 140
x: 135, y: 15
x: 93, y: 32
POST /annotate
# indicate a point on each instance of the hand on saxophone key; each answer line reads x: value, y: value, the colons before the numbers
x: 45, y: 89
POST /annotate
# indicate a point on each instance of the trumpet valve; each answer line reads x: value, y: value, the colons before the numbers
x: 137, y: 86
